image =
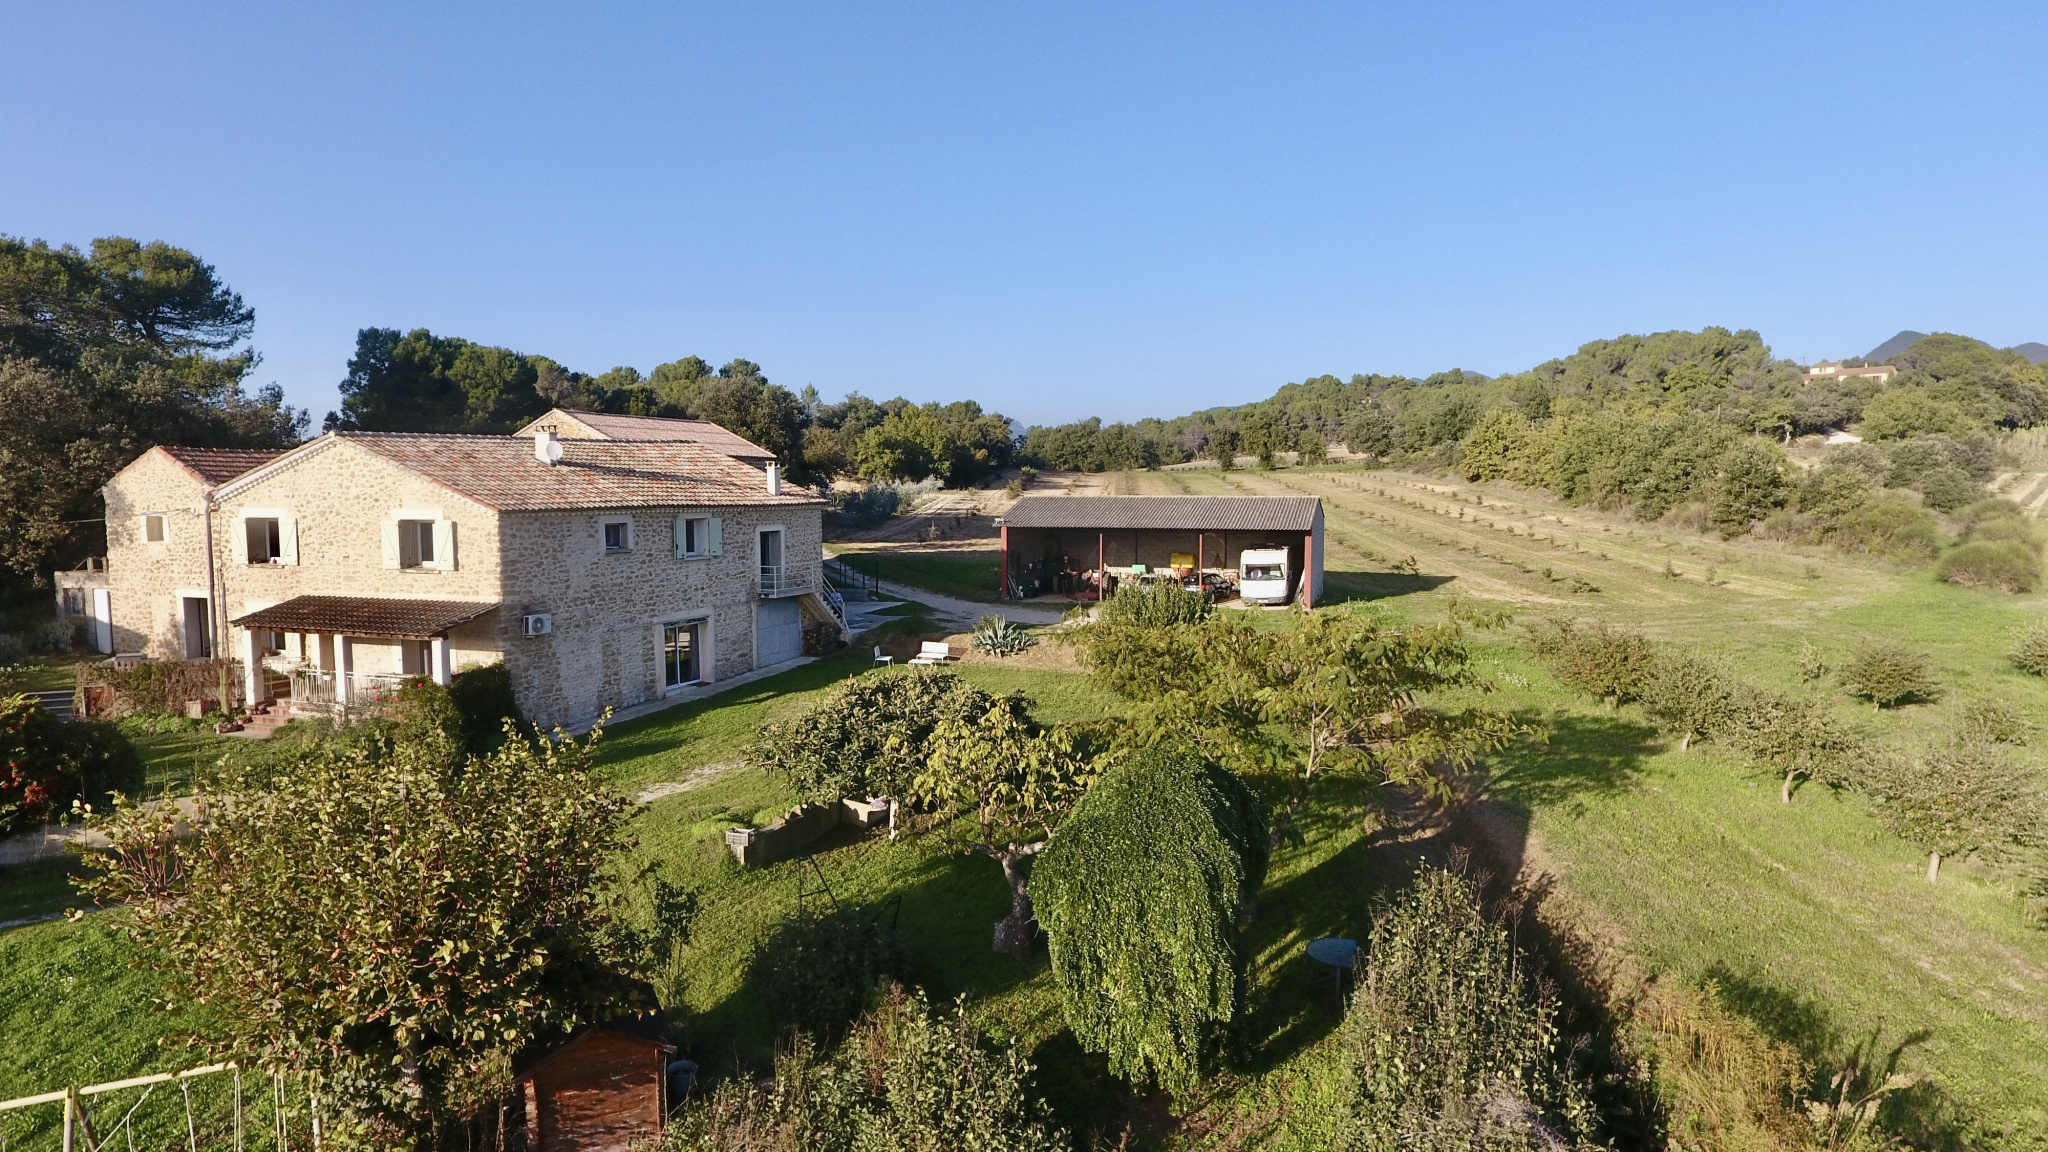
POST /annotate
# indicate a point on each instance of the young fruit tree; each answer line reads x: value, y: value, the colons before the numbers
x: 1689, y: 695
x: 1140, y: 892
x: 1448, y: 1043
x: 1001, y: 785
x: 867, y: 737
x: 394, y: 921
x: 1351, y: 689
x: 1790, y: 736
x: 1594, y: 658
x: 1965, y: 794
x: 1888, y: 675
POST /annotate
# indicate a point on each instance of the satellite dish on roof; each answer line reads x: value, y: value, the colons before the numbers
x: 547, y: 447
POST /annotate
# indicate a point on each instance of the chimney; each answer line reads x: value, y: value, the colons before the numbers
x: 547, y: 447
x: 774, y: 479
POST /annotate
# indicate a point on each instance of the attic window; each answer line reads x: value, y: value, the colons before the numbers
x: 415, y: 543
x: 153, y: 528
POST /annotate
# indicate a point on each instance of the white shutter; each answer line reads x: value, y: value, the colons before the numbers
x: 682, y: 537
x: 287, y: 540
x: 239, y: 545
x: 391, y: 543
x: 444, y: 545
x: 717, y: 536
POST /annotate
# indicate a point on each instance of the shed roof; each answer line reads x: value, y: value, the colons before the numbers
x: 611, y: 426
x: 380, y: 616
x: 1173, y: 513
x: 219, y: 465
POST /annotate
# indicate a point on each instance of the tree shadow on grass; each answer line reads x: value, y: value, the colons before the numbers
x: 1921, y: 1113
x: 1346, y: 587
x: 1579, y: 755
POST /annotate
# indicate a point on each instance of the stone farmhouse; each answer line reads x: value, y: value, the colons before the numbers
x: 602, y: 571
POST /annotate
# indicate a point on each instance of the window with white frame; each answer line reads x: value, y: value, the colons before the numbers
x: 616, y: 535
x: 266, y: 542
x: 416, y: 544
x: 696, y: 537
x: 153, y: 528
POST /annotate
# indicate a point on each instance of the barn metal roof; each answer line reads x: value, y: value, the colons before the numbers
x: 1171, y: 513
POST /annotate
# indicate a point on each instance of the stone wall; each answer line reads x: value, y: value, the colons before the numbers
x: 338, y: 500
x: 609, y: 609
x: 145, y: 581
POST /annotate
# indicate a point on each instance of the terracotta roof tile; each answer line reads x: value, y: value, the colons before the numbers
x: 363, y: 616
x: 1173, y: 513
x: 615, y: 427
x: 501, y: 472
x: 219, y: 465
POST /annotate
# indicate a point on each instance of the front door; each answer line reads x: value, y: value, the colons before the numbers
x: 198, y: 627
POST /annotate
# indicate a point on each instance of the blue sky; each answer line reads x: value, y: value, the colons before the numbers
x: 1058, y: 210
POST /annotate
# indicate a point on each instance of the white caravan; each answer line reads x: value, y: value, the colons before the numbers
x: 1264, y: 576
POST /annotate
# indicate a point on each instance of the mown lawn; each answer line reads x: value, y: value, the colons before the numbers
x: 962, y: 575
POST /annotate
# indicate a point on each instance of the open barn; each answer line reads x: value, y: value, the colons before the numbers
x: 1085, y: 545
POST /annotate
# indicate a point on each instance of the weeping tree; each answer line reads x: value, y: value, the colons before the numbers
x: 1449, y: 1043
x: 1140, y: 892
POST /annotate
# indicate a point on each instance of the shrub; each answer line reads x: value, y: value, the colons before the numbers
x: 1887, y: 524
x: 1965, y: 794
x: 1594, y: 658
x: 483, y: 701
x: 868, y: 736
x: 1157, y: 605
x: 424, y: 711
x: 1748, y: 483
x: 46, y: 763
x: 819, y: 973
x: 995, y: 636
x: 1888, y: 675
x: 1448, y: 1044
x: 2004, y: 566
x: 1139, y: 893
x: 1948, y: 487
x: 2030, y: 649
x: 10, y: 648
x: 1998, y: 721
x: 1689, y: 695
x: 908, y: 1080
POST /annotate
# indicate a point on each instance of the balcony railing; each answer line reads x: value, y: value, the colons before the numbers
x: 788, y: 579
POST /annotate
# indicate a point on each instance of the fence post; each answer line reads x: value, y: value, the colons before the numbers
x: 70, y: 1116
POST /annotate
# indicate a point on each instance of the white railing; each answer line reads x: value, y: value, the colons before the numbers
x: 319, y: 688
x: 784, y: 579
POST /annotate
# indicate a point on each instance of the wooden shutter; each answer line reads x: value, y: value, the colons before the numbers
x: 717, y: 536
x: 391, y: 543
x: 287, y: 540
x: 239, y: 546
x: 682, y: 536
x: 444, y: 545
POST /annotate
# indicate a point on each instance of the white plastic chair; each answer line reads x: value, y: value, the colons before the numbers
x: 881, y: 659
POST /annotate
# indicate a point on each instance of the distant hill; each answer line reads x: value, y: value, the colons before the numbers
x: 1896, y: 345
x: 2033, y: 350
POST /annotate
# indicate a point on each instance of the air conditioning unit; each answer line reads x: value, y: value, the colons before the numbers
x: 538, y: 624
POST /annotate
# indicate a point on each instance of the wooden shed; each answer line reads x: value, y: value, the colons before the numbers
x: 603, y: 1088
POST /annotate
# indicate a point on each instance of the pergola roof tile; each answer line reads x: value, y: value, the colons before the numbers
x: 380, y: 616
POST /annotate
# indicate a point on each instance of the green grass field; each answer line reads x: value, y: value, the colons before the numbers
x: 1808, y: 920
x: 964, y: 575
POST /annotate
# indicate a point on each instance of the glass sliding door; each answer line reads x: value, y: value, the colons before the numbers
x: 678, y: 655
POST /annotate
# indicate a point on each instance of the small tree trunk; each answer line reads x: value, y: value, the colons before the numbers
x: 1685, y: 741
x: 1013, y: 932
x: 1933, y: 867
x: 1785, y: 793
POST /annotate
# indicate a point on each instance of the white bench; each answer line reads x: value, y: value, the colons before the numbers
x: 932, y: 652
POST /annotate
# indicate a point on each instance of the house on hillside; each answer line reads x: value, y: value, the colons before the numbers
x: 1833, y: 370
x: 603, y: 573
x: 608, y: 426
